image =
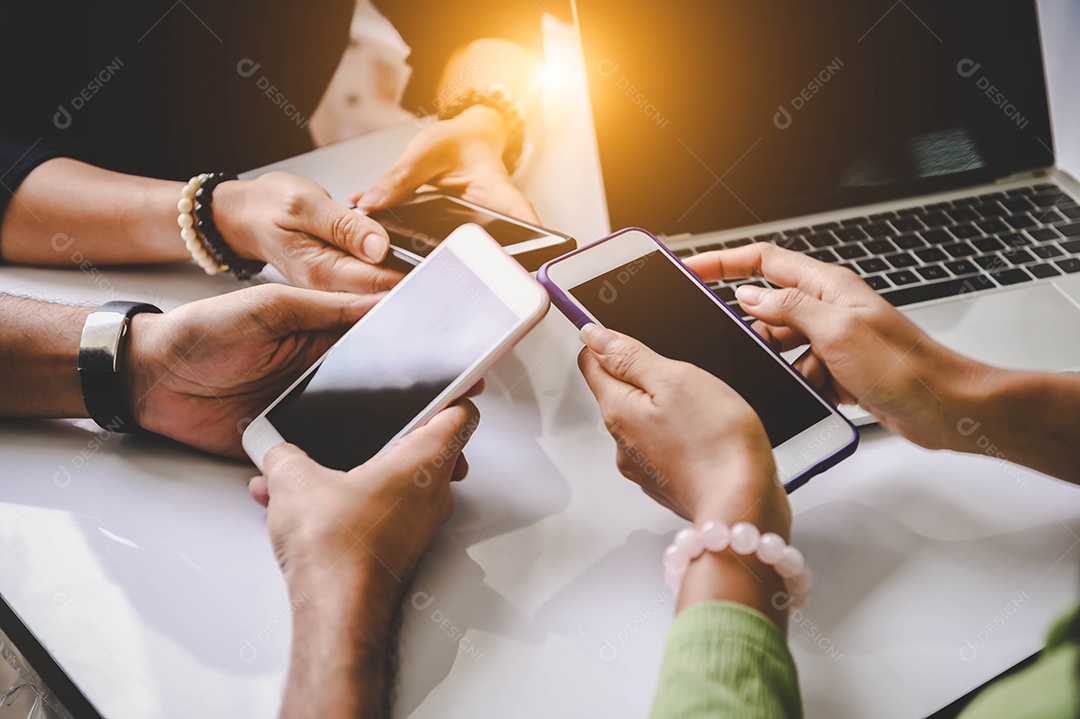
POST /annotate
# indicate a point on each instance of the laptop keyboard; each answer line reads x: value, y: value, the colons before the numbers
x: 940, y: 250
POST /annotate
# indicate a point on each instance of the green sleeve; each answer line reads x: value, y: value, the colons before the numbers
x: 1048, y: 689
x: 724, y: 659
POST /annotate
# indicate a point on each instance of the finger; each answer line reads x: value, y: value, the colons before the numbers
x: 293, y: 309
x: 286, y: 468
x: 623, y: 357
x: 477, y: 389
x: 259, y: 490
x: 322, y: 267
x: 346, y: 229
x: 461, y: 469
x: 788, y: 307
x: 444, y: 436
x: 502, y: 196
x: 781, y: 267
x: 419, y: 163
x: 812, y: 368
x: 780, y: 339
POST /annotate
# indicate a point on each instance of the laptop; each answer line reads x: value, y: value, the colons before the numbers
x: 909, y: 142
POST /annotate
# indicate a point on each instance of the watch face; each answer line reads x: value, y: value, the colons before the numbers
x: 99, y: 350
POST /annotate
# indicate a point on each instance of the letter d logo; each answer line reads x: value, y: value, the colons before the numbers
x: 967, y: 67
x: 608, y: 293
x: 782, y: 118
x: 62, y: 118
x: 247, y: 67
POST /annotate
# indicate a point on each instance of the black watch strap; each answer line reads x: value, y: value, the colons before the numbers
x: 100, y: 364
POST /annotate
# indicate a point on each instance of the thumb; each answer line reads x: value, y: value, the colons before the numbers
x: 623, y: 357
x: 788, y: 307
x: 347, y: 229
x: 286, y: 469
x: 287, y: 310
x: 400, y: 182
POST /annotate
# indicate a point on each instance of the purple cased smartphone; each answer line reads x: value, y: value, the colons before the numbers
x: 569, y: 308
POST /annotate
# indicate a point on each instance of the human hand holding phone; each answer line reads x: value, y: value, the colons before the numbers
x: 686, y: 438
x: 862, y: 350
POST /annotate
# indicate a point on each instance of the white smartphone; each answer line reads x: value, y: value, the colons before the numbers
x: 422, y: 347
x: 631, y: 283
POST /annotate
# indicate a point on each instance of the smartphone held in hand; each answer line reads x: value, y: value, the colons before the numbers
x: 416, y: 352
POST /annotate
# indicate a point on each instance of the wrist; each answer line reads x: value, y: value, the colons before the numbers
x: 139, y: 367
x: 971, y: 394
x: 228, y: 210
x: 486, y: 124
x: 744, y: 491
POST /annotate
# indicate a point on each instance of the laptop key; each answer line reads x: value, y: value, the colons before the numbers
x: 821, y: 239
x: 936, y: 237
x: 937, y: 290
x: 877, y: 282
x: 1047, y: 251
x: 1016, y: 204
x: 880, y: 247
x: 740, y: 242
x: 935, y: 219
x: 962, y: 214
x: 874, y: 264
x: 1044, y: 234
x: 931, y: 254
x: 794, y: 243
x: 1072, y: 230
x: 906, y: 224
x: 881, y: 229
x: 1020, y: 222
x: 939, y: 205
x: 855, y: 221
x: 1018, y: 257
x: 990, y: 262
x: 1048, y: 217
x: 901, y: 260
x: 909, y: 242
x: 1011, y: 277
x: 1047, y: 200
x: 824, y: 255
x: 710, y: 248
x: 904, y: 277
x: 962, y: 267
x: 990, y: 209
x: 1071, y: 246
x: 932, y: 272
x: 988, y: 244
x: 964, y: 232
x: 850, y: 234
x: 992, y: 226
x: 727, y: 294
x: 685, y: 252
x: 1072, y: 212
x: 850, y: 252
x: 960, y: 249
x: 1046, y: 186
x: 1044, y: 270
x: 1069, y: 264
x: 882, y: 216
x: 822, y: 227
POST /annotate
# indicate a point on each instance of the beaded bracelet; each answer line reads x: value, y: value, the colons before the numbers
x: 199, y: 233
x: 498, y: 98
x: 745, y: 539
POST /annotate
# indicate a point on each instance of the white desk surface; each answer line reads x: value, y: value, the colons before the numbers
x: 144, y: 568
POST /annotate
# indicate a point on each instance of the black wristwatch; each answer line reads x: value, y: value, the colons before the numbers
x: 100, y: 368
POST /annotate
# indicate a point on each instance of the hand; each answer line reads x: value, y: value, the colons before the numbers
x: 462, y: 156
x: 690, y: 441
x: 291, y: 223
x: 862, y: 350
x: 196, y: 373
x: 383, y: 514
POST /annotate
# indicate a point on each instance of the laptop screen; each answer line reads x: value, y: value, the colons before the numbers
x: 712, y: 114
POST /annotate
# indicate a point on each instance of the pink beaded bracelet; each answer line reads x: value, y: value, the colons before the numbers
x: 743, y: 538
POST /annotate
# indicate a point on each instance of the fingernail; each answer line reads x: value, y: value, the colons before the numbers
x: 749, y: 295
x: 370, y: 199
x: 375, y: 247
x: 596, y: 338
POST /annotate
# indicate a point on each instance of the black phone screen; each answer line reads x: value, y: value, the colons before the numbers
x: 651, y: 300
x: 419, y: 227
x: 383, y: 373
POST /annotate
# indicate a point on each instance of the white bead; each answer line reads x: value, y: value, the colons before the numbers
x: 192, y: 245
x: 771, y: 549
x: 676, y: 560
x: 801, y: 582
x: 184, y: 204
x: 792, y: 563
x: 185, y: 220
x: 716, y: 536
x: 211, y: 270
x: 187, y: 234
x: 189, y: 191
x: 689, y: 540
x: 745, y: 538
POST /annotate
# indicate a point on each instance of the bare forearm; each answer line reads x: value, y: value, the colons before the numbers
x: 341, y: 665
x: 39, y: 361
x: 1030, y: 418
x: 67, y: 212
x: 483, y: 63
